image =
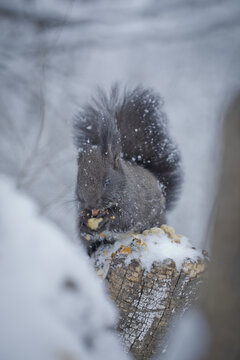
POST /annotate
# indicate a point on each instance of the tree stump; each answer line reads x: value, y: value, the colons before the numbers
x: 148, y: 298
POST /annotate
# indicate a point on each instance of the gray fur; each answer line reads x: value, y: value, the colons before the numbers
x: 127, y: 162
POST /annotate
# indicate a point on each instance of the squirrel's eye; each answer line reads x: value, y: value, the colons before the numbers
x: 107, y: 181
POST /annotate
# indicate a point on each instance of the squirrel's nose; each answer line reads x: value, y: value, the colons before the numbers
x: 95, y: 212
x: 93, y: 204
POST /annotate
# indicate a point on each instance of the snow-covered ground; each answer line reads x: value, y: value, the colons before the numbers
x: 51, y: 304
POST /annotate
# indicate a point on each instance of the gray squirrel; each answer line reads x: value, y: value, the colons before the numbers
x: 129, y: 168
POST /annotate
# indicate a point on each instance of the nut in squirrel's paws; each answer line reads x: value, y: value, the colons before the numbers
x: 93, y: 223
x: 95, y: 220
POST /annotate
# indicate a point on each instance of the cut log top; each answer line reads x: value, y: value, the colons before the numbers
x: 150, y: 277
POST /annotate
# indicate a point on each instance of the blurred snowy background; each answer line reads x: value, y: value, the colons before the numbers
x: 51, y: 305
x: 53, y: 53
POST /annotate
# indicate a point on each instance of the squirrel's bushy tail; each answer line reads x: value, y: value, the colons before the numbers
x: 146, y: 140
x: 134, y: 123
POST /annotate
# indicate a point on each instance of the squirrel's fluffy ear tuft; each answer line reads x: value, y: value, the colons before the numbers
x: 96, y: 124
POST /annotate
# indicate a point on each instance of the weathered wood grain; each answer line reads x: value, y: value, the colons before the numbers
x: 149, y: 300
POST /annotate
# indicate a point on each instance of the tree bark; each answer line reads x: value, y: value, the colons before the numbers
x: 148, y: 301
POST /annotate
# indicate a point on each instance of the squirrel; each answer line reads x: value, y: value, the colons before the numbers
x: 129, y: 168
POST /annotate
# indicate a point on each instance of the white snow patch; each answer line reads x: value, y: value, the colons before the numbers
x: 51, y: 304
x: 159, y: 247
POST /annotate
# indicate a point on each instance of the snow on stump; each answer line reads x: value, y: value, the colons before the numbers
x: 151, y: 277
